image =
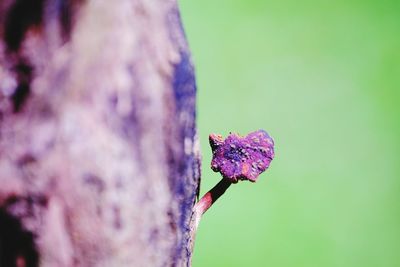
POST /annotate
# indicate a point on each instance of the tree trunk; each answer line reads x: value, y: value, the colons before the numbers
x: 99, y: 159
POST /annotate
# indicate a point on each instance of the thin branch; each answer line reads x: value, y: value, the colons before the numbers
x: 204, y: 204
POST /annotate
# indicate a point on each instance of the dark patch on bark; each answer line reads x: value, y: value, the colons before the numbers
x: 24, y: 207
x: 16, y: 244
x: 24, y: 76
x: 66, y: 14
x: 184, y: 81
x: 172, y: 221
x: 20, y: 95
x: 26, y: 159
x: 129, y: 123
x: 21, y: 16
x: 94, y: 181
x: 65, y: 18
x: 45, y: 110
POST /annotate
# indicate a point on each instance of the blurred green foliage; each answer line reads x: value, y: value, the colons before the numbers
x: 323, y: 78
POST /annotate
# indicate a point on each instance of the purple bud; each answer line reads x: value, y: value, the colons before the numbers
x: 241, y: 158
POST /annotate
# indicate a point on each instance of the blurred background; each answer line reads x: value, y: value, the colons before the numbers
x: 323, y: 78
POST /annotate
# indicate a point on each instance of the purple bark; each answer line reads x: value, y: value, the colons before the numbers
x: 99, y: 158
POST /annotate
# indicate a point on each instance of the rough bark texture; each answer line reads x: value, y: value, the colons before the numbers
x: 99, y: 161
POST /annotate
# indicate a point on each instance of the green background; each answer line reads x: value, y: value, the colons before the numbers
x: 323, y: 78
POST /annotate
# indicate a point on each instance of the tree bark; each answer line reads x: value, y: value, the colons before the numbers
x: 99, y: 158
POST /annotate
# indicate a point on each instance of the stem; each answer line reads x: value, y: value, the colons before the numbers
x: 204, y: 204
x: 211, y: 196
